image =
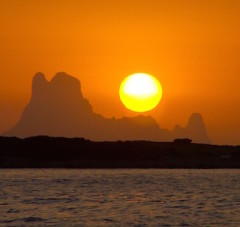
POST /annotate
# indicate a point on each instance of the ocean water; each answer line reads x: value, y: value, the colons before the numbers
x: 127, y: 197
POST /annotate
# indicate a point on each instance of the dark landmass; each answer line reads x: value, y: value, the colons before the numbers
x: 184, y: 140
x: 58, y: 108
x: 48, y: 152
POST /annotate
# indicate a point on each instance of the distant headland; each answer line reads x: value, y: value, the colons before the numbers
x: 58, y: 108
x: 49, y: 152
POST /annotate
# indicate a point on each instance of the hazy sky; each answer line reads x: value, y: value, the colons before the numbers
x: 191, y: 46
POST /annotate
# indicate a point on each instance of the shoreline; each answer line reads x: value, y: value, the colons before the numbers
x: 78, y: 153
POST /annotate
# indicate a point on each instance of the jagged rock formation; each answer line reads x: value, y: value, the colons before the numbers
x: 195, y: 130
x: 58, y: 108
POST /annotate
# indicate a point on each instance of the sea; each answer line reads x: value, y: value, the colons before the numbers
x: 119, y: 197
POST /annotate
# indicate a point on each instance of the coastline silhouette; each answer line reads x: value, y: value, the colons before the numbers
x: 49, y: 152
x: 58, y: 108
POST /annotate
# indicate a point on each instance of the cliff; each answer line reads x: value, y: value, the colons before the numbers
x: 58, y: 108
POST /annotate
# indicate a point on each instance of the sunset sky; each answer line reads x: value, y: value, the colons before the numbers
x: 191, y: 46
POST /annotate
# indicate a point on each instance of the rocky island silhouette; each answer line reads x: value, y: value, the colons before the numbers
x: 58, y: 108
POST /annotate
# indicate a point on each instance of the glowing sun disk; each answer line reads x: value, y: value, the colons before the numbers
x: 140, y: 92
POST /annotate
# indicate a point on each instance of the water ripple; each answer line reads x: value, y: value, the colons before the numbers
x: 119, y: 197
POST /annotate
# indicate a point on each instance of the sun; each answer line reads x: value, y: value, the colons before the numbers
x: 140, y: 92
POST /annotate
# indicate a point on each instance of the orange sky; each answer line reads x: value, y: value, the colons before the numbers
x: 192, y: 47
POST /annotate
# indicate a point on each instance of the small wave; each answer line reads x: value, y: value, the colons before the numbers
x: 48, y: 200
x: 157, y: 201
x: 28, y: 219
x: 10, y: 211
x: 108, y: 220
x: 8, y: 221
x: 67, y: 209
x: 33, y: 219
